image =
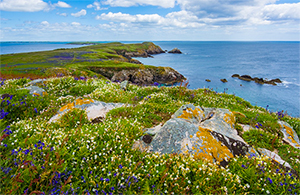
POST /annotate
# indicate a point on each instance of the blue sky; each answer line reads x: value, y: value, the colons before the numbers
x: 150, y: 20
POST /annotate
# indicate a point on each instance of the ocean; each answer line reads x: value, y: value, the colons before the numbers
x: 218, y: 60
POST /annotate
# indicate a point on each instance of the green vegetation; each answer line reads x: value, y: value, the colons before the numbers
x: 75, y: 155
x: 41, y: 64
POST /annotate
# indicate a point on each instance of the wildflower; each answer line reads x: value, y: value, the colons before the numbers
x: 270, y: 180
x: 112, y: 188
x: 107, y: 180
x: 267, y: 192
x: 35, y: 110
x: 120, y: 166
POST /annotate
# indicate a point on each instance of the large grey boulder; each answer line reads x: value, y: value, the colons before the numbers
x: 94, y: 109
x: 204, y: 133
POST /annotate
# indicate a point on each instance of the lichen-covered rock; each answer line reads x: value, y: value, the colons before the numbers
x: 94, y: 109
x: 204, y: 133
x: 37, y: 91
x: 289, y: 134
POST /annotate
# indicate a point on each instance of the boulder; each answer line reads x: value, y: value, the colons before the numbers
x: 204, y: 133
x: 175, y: 50
x: 289, y: 135
x: 94, y: 109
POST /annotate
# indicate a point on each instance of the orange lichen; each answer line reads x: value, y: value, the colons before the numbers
x: 36, y: 94
x: 80, y: 102
x: 211, y: 148
x: 289, y: 131
x: 230, y: 119
x: 189, y: 113
x: 45, y: 93
x: 67, y: 107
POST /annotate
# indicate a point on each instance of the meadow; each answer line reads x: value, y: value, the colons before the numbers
x: 78, y: 156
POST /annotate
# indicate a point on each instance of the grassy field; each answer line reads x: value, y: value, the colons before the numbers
x: 76, y: 156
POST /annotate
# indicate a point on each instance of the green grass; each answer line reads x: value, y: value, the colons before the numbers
x: 100, y: 55
x: 75, y: 155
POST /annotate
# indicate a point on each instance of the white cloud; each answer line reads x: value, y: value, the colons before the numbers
x: 80, y: 13
x: 45, y: 23
x: 75, y: 24
x: 62, y: 4
x: 120, y: 17
x: 95, y: 5
x: 282, y: 11
x: 128, y: 3
x: 62, y: 14
x: 181, y: 19
x: 23, y: 5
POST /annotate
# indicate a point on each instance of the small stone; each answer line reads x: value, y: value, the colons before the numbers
x: 147, y: 139
x: 123, y: 85
x: 207, y: 80
x: 224, y: 80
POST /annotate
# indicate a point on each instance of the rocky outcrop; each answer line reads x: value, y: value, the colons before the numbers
x: 203, y: 133
x: 94, y: 109
x: 141, y: 76
x: 150, y: 48
x: 175, y: 50
x: 257, y: 80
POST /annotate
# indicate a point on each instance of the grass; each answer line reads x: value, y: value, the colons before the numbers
x: 98, y: 55
x: 77, y: 156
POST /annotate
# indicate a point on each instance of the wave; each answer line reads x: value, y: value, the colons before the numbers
x: 287, y: 83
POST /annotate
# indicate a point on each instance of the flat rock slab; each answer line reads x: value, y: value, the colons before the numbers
x: 204, y: 133
x: 34, y: 90
x: 289, y: 134
x: 36, y: 81
x: 94, y: 109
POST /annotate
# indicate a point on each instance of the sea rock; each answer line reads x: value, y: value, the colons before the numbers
x: 257, y: 80
x: 224, y: 80
x: 204, y: 133
x: 37, y: 91
x: 245, y: 78
x: 207, y: 80
x: 175, y: 50
x: 93, y: 108
x: 290, y: 136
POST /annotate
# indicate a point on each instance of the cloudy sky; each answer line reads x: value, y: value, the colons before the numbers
x: 149, y: 20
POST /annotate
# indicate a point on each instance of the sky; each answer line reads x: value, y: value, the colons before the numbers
x: 150, y: 20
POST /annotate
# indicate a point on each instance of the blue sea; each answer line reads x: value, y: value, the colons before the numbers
x: 218, y: 60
